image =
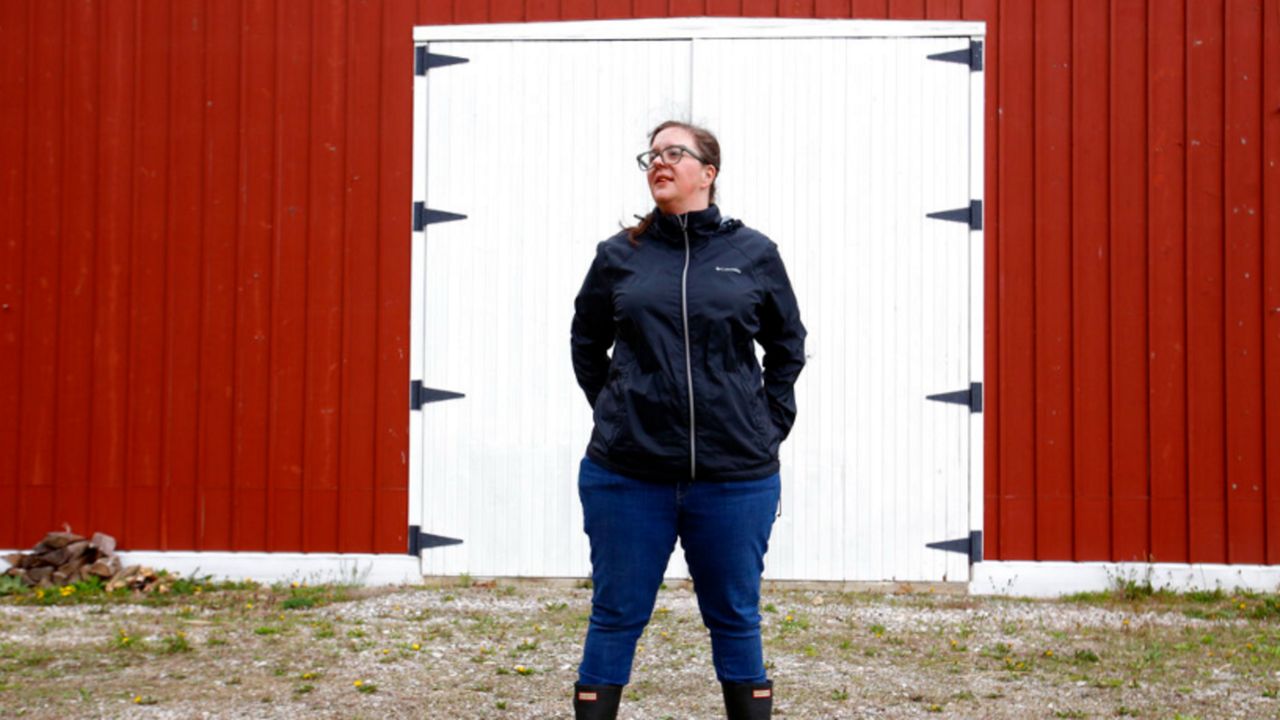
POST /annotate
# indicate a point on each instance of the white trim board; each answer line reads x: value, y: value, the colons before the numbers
x: 690, y: 28
x: 358, y: 568
x: 1054, y: 579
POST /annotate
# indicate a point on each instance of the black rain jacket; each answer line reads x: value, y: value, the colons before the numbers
x: 683, y: 397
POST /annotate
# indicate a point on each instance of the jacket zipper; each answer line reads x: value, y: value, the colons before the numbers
x: 688, y: 357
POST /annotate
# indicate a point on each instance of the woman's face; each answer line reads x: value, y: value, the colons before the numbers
x: 685, y: 186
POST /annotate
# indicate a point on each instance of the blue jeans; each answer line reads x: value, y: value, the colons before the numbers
x: 632, y: 524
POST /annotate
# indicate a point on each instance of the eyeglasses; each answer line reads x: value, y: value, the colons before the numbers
x: 670, y: 155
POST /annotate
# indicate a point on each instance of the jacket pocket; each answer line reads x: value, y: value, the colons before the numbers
x: 608, y: 410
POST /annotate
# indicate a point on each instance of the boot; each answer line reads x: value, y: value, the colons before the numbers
x: 596, y: 702
x: 748, y: 701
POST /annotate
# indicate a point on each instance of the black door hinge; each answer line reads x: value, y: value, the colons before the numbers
x: 971, y: 397
x: 971, y: 546
x: 423, y: 216
x: 419, y: 541
x: 419, y: 395
x: 971, y: 56
x: 424, y: 61
x: 971, y: 215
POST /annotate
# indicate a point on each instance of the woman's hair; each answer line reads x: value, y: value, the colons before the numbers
x: 707, y: 147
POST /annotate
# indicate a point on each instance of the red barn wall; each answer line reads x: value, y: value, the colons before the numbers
x: 204, y: 253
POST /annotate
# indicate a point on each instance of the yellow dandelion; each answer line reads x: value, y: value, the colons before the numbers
x: 416, y: 646
x: 386, y: 651
x: 1048, y: 653
x: 281, y: 616
x: 66, y: 591
x: 790, y: 618
x: 248, y: 606
x: 308, y: 676
x: 198, y: 590
x: 1243, y: 606
x: 293, y: 584
x: 1125, y: 621
x: 358, y: 683
x: 39, y: 594
x: 137, y: 699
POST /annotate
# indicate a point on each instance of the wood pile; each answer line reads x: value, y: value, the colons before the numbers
x: 65, y: 558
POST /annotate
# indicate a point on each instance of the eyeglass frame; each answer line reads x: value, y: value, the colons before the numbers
x: 654, y: 155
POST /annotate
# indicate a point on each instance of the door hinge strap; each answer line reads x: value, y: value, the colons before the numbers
x: 419, y: 541
x: 971, y: 215
x: 419, y: 395
x: 971, y: 397
x: 971, y: 546
x: 424, y: 61
x: 971, y: 56
x: 424, y: 216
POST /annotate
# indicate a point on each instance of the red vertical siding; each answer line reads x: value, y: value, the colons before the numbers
x: 1270, y: 75
x: 204, y: 268
x: 1090, y: 284
x: 326, y: 210
x: 1128, y: 303
x: 1242, y: 266
x: 1204, y: 307
x: 1053, y: 309
x: 1166, y: 281
x: 109, y: 343
x: 215, y: 494
x: 1014, y: 206
x: 147, y: 259
x: 390, y: 431
x: 14, y: 23
x: 286, y: 461
x: 42, y: 253
x: 180, y: 469
x: 76, y: 284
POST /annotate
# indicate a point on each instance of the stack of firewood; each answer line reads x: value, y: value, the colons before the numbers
x: 64, y: 558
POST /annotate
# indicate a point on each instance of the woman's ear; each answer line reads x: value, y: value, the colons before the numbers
x: 709, y: 173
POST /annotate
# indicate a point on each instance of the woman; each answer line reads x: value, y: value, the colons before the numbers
x: 687, y: 428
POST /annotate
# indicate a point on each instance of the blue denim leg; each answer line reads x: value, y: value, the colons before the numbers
x: 632, y: 528
x: 724, y: 529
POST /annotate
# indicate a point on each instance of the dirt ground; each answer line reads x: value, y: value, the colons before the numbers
x: 492, y: 650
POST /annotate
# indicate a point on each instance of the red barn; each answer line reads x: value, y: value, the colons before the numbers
x: 205, y: 277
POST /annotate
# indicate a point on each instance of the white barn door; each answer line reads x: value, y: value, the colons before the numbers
x: 838, y: 148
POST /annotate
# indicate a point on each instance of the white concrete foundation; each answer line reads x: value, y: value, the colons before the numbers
x: 1053, y: 579
x: 361, y: 569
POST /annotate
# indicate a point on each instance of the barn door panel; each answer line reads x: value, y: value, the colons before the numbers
x: 840, y: 149
x: 534, y: 142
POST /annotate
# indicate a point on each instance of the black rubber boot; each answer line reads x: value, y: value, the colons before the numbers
x: 596, y: 702
x: 748, y: 701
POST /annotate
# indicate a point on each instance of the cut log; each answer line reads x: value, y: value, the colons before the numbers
x: 56, y: 540
x: 103, y: 543
x: 35, y: 576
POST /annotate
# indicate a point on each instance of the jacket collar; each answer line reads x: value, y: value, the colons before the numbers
x: 699, y: 224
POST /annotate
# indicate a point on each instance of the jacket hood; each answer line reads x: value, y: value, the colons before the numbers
x: 699, y: 224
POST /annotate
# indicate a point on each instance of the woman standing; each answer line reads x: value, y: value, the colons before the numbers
x: 687, y: 427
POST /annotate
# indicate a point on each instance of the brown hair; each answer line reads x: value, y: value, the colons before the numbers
x: 707, y: 146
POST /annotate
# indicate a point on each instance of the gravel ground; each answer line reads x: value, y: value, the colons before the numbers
x: 500, y: 651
